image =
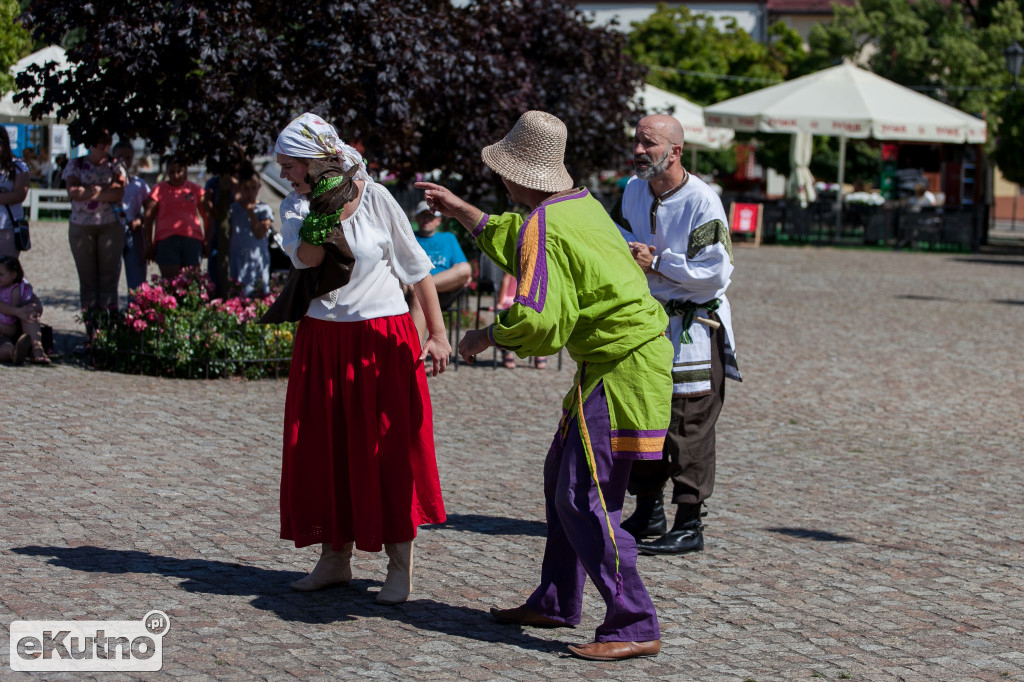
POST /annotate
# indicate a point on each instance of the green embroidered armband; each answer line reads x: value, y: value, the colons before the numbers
x: 711, y: 232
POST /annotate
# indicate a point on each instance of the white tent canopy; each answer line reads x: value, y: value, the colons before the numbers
x: 10, y: 112
x: 846, y: 101
x: 696, y: 133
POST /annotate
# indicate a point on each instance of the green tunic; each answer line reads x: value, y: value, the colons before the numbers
x: 579, y: 287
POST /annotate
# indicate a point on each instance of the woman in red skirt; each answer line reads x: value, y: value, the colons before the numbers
x: 359, y: 466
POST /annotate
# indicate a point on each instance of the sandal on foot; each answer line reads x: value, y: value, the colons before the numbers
x: 540, y: 363
x: 22, y: 347
x: 509, y: 360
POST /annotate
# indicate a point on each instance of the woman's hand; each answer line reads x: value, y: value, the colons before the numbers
x: 439, y: 350
x: 475, y: 341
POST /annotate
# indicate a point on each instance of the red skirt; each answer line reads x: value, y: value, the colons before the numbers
x: 359, y: 459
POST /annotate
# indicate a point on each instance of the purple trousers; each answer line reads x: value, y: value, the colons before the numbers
x: 578, y: 543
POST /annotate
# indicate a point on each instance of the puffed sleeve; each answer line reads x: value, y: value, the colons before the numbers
x: 496, y: 236
x: 705, y: 267
x: 545, y: 308
x: 294, y: 208
x: 407, y: 259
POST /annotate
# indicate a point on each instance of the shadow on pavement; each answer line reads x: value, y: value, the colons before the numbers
x: 271, y: 592
x: 811, y: 534
x: 988, y: 261
x: 492, y: 525
x: 61, y: 298
x: 917, y: 297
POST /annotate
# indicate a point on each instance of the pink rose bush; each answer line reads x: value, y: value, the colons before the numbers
x: 175, y: 328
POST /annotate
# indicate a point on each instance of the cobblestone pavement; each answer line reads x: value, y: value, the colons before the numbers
x: 866, y: 524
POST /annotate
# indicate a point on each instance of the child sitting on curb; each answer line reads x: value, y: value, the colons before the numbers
x: 15, y: 307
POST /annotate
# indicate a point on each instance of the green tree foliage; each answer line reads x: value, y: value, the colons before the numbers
x: 706, y: 61
x: 983, y: 11
x: 950, y: 51
x: 419, y: 83
x: 14, y: 41
x: 674, y: 41
x: 1009, y: 147
x: 934, y: 46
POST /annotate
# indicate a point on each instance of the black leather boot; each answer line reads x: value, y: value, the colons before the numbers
x: 687, y: 534
x: 648, y: 519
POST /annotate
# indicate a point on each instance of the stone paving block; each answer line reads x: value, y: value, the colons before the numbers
x: 865, y: 522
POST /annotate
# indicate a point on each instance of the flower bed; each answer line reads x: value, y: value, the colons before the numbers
x: 174, y: 328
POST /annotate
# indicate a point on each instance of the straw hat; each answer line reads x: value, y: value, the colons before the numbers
x: 532, y: 154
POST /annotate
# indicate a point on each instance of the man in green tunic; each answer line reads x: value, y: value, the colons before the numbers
x: 578, y: 287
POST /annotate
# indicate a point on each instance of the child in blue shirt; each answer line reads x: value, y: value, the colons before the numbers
x: 135, y: 193
x: 451, y: 273
x: 250, y: 226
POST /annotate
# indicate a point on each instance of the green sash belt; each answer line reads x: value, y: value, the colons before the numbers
x: 686, y: 309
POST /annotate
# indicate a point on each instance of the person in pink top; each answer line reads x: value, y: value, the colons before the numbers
x: 182, y: 227
x: 20, y: 333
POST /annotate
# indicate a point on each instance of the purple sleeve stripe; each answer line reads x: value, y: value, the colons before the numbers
x: 480, y: 225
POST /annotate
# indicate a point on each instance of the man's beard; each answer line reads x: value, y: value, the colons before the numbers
x: 653, y: 168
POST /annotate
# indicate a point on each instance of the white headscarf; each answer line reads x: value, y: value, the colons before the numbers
x: 310, y: 137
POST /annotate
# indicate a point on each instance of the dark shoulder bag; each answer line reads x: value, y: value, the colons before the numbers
x: 22, y: 239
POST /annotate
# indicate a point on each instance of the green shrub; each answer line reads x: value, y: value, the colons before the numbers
x: 173, y: 328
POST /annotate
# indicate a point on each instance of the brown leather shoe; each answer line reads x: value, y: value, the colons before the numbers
x: 521, y: 615
x: 616, y: 651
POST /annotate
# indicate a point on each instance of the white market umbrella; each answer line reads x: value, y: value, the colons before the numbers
x: 11, y: 112
x: 696, y: 132
x: 846, y: 101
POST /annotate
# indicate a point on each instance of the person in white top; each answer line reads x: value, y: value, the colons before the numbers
x: 358, y: 458
x: 678, y: 233
x: 922, y: 198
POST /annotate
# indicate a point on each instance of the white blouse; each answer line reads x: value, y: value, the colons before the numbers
x: 386, y: 252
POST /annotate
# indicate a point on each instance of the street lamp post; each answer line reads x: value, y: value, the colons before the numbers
x: 1014, y: 56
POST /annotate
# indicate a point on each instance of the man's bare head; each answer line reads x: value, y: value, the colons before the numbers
x: 667, y: 127
x: 657, y: 145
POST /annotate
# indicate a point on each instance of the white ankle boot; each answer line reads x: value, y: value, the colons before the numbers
x: 398, y: 584
x: 333, y: 568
